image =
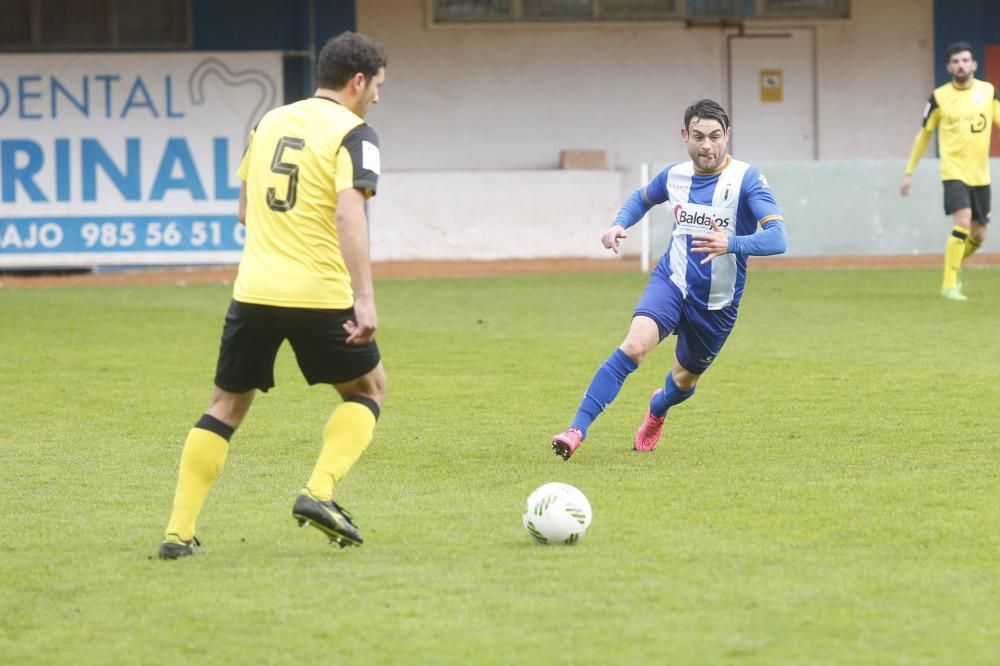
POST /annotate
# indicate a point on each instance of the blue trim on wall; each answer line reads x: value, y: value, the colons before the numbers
x: 991, y: 22
x: 235, y: 25
x: 272, y: 25
x: 295, y: 72
x: 961, y: 21
x: 333, y: 18
x: 267, y: 25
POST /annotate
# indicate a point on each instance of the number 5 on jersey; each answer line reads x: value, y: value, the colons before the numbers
x: 285, y: 169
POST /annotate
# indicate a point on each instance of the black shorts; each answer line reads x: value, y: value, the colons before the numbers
x: 253, y: 333
x: 958, y: 195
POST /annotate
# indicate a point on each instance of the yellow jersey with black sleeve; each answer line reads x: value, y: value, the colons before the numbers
x: 299, y: 157
x: 963, y: 118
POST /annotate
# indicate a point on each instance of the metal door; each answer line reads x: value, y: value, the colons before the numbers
x: 772, y: 95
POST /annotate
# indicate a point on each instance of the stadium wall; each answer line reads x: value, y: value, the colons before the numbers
x: 297, y: 28
x: 831, y: 208
x: 513, y: 97
x: 492, y: 214
x: 846, y: 208
x: 474, y: 119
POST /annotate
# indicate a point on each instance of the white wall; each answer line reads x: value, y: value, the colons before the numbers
x: 464, y: 108
x: 492, y: 214
x: 848, y: 208
x: 463, y: 97
x: 512, y: 98
x: 874, y: 77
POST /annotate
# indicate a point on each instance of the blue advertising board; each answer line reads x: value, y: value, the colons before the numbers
x: 126, y: 159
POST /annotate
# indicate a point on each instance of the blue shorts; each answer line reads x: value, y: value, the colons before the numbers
x: 700, y: 333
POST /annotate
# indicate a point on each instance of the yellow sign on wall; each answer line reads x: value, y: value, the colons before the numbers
x: 771, y: 85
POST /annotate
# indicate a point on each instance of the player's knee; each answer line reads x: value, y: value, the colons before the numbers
x: 376, y: 393
x: 372, y: 386
x: 635, y: 350
x: 378, y: 387
x: 979, y: 235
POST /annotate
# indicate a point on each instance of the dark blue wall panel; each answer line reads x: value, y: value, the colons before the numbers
x: 272, y: 25
x: 237, y: 25
x: 334, y: 17
x: 297, y: 73
x: 991, y: 24
x: 233, y: 25
x: 960, y: 21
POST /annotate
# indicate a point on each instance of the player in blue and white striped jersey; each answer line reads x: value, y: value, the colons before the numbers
x: 723, y: 212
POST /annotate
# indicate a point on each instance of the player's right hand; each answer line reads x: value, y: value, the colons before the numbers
x: 613, y: 236
x: 362, y: 330
x: 904, y: 187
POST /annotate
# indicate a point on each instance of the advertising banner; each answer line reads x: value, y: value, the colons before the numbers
x: 126, y: 159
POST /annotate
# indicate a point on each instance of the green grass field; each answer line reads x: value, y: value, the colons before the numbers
x: 830, y: 496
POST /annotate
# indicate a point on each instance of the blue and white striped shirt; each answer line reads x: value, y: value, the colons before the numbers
x: 738, y: 199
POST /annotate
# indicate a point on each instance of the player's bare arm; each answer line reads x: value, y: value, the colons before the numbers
x: 612, y: 237
x: 352, y: 227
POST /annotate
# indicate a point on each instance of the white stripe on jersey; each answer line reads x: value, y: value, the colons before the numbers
x: 728, y: 192
x: 678, y: 191
x: 724, y: 206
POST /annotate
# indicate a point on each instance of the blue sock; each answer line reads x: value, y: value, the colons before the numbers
x: 603, y: 388
x: 668, y: 397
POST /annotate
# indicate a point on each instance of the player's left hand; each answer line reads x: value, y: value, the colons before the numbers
x: 713, y: 245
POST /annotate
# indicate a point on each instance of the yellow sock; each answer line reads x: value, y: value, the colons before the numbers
x: 345, y: 437
x: 970, y: 247
x: 201, y: 462
x: 954, y: 252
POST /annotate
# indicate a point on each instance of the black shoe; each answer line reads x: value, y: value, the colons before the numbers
x: 173, y: 547
x: 329, y: 518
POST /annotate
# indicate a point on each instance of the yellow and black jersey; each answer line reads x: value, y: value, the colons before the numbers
x: 963, y: 118
x: 299, y: 157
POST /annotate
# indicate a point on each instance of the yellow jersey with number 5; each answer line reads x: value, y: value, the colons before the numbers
x: 299, y: 157
x: 964, y: 118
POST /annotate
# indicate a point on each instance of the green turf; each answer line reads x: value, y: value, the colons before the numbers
x: 831, y: 494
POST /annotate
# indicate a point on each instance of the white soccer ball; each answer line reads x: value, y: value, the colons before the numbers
x: 557, y: 513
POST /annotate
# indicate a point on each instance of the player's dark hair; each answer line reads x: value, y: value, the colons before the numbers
x: 706, y: 108
x: 344, y: 56
x: 958, y: 47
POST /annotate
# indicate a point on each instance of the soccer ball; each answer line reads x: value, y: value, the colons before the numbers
x: 557, y: 513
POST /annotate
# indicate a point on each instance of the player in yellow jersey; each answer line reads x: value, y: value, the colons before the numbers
x: 962, y: 111
x: 305, y: 277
